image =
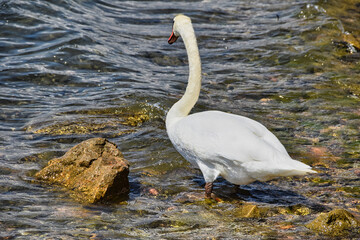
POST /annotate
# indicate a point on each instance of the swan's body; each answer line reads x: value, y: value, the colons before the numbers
x: 237, y: 148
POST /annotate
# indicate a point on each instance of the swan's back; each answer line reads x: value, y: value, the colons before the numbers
x: 238, y: 148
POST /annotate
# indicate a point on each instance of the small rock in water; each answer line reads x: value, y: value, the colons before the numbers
x: 190, y: 197
x: 153, y: 192
x: 335, y: 223
x: 250, y: 211
x: 94, y: 169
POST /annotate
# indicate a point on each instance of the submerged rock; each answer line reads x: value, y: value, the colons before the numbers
x: 336, y: 223
x: 250, y: 211
x: 94, y: 170
x: 295, y: 210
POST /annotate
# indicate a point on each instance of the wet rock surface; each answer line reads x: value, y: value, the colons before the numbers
x: 94, y: 170
x: 337, y: 222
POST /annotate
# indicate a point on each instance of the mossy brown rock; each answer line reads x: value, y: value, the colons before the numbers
x: 94, y: 170
x: 336, y: 223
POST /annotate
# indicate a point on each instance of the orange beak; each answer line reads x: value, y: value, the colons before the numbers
x: 172, y: 38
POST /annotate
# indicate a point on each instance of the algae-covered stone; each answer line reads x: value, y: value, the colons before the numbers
x: 94, y: 170
x: 250, y: 211
x: 295, y: 209
x: 337, y: 222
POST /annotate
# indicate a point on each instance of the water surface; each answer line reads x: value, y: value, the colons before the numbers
x: 72, y: 70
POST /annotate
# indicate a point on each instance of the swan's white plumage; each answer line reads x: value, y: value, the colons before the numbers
x: 235, y: 147
x: 222, y: 144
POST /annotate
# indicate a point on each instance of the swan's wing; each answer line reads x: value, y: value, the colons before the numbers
x: 219, y: 134
x: 261, y: 132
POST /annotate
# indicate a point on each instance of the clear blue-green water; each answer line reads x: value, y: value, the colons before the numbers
x: 72, y: 70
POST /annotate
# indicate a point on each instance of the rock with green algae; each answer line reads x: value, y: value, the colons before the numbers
x: 335, y: 223
x: 295, y: 209
x: 94, y: 170
x: 250, y: 211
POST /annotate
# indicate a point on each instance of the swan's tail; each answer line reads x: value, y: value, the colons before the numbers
x: 286, y: 168
x: 294, y: 167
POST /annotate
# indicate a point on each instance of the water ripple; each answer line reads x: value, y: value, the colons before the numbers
x: 74, y: 63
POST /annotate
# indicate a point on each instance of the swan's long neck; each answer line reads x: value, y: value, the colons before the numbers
x: 182, y: 108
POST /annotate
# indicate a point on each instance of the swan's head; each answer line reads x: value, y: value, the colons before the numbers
x: 180, y: 21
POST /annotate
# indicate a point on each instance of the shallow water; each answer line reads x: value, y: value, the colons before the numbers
x: 72, y: 70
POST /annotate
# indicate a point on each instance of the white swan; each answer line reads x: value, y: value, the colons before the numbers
x: 237, y: 148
